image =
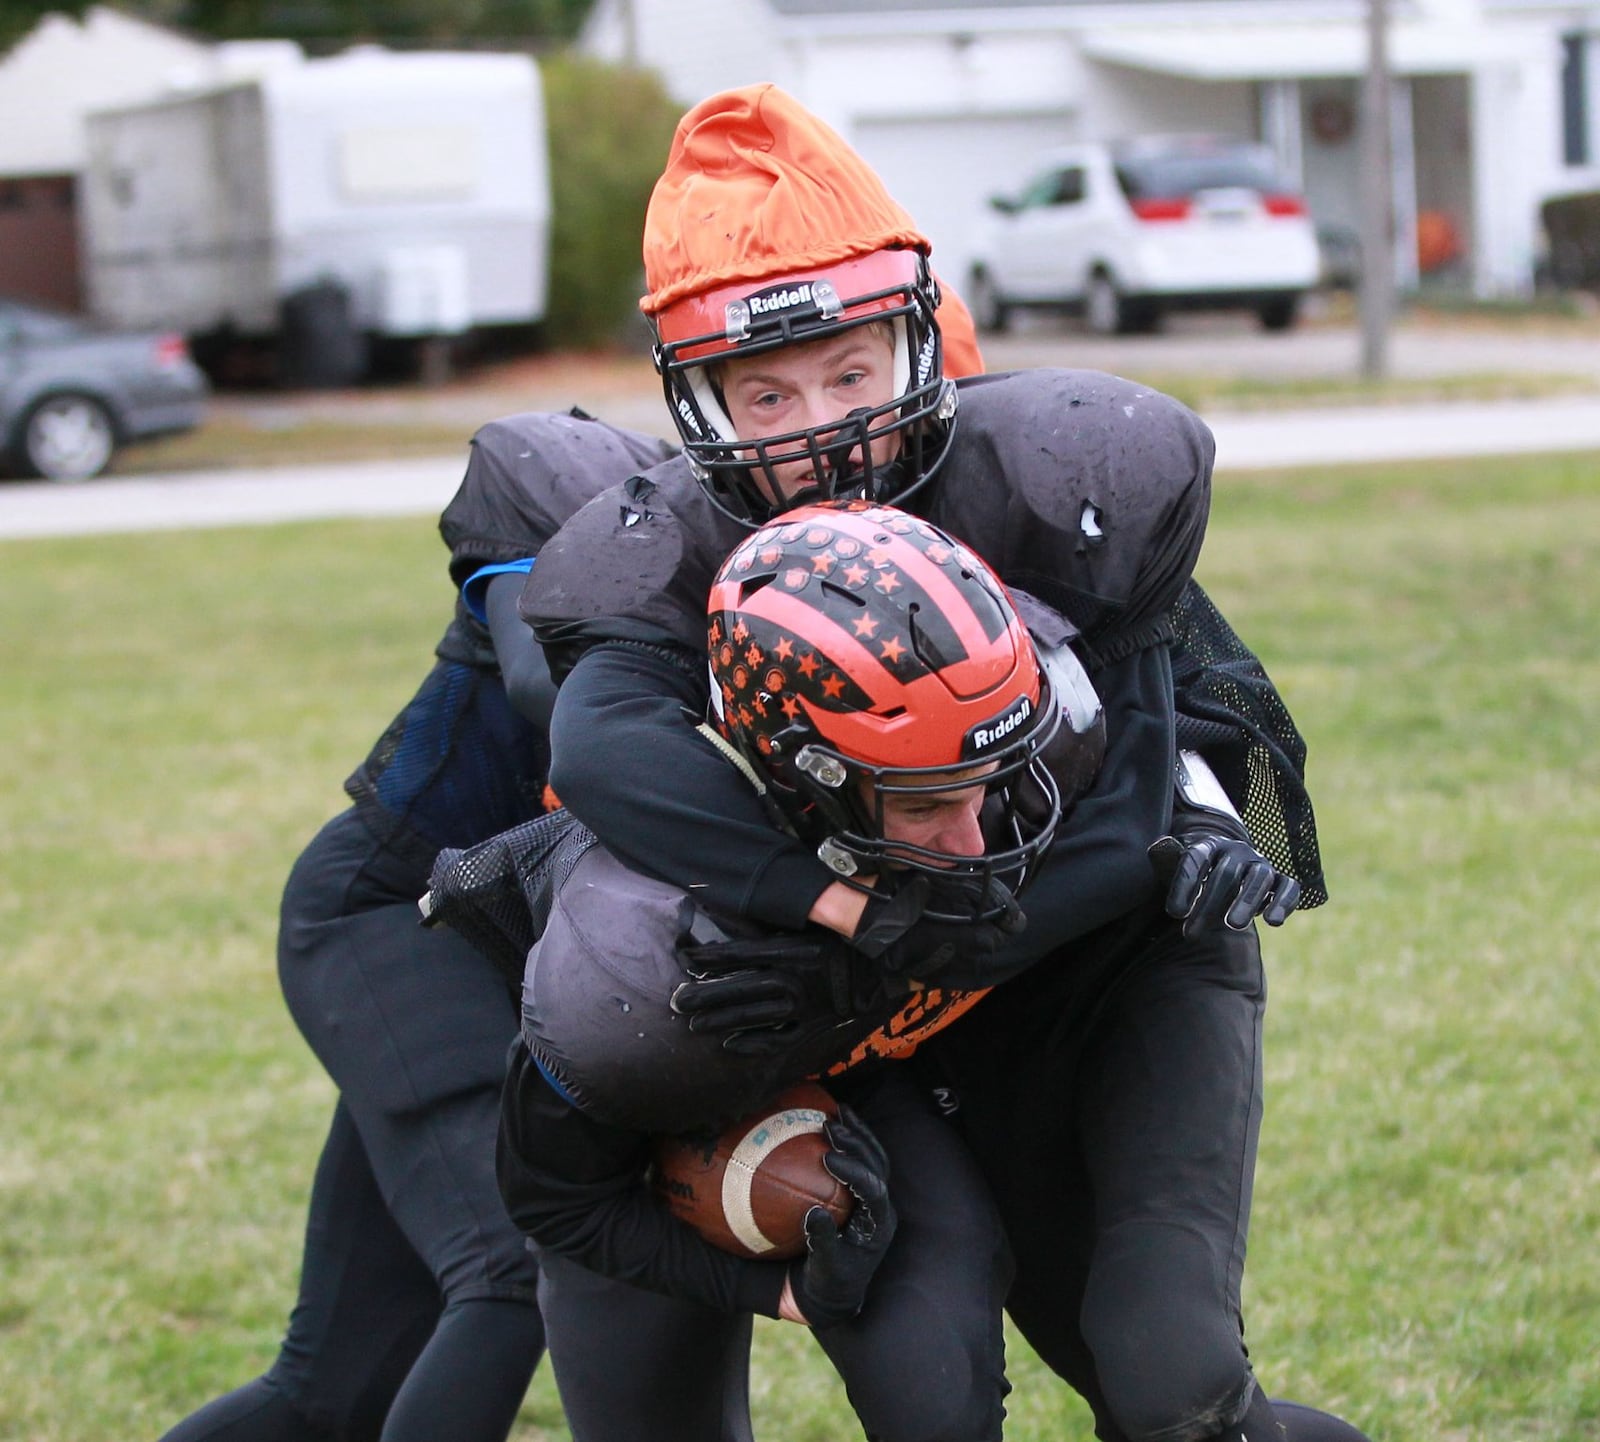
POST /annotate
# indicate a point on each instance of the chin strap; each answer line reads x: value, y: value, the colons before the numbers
x: 733, y: 756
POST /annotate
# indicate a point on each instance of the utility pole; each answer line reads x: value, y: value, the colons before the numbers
x: 630, y: 34
x: 1377, y: 198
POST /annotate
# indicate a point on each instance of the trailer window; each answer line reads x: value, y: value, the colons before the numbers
x: 408, y: 162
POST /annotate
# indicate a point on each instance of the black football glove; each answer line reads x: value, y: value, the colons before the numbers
x: 765, y: 994
x: 901, y: 938
x: 1217, y: 879
x: 829, y: 1283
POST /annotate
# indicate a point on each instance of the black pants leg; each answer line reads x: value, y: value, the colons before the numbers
x: 925, y: 1360
x: 366, y: 1309
x: 1114, y: 1100
x: 416, y: 1289
x: 631, y: 1364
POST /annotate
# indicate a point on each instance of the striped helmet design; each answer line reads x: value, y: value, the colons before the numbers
x: 854, y: 643
x: 888, y: 637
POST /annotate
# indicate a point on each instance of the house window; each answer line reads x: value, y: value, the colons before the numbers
x: 1575, y: 99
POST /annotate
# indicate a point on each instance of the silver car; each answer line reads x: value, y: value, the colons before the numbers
x: 71, y: 394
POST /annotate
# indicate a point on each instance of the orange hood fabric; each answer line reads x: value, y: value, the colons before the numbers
x: 962, y: 355
x: 755, y: 186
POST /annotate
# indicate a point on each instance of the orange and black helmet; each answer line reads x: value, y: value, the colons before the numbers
x: 858, y: 652
x: 766, y: 230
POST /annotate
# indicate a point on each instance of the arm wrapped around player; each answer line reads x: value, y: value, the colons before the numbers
x: 1213, y: 873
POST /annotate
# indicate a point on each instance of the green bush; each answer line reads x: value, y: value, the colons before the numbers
x: 609, y: 131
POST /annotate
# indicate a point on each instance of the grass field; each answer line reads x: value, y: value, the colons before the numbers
x: 178, y: 711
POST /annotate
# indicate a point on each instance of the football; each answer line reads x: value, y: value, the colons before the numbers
x: 748, y: 1189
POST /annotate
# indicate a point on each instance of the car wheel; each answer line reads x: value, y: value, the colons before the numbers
x: 989, y: 312
x: 1104, y: 310
x: 68, y: 437
x: 1279, y: 313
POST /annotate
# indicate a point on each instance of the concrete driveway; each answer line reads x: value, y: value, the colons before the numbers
x: 631, y: 395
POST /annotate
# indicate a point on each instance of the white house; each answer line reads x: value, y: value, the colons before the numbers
x: 49, y: 80
x: 1496, y: 103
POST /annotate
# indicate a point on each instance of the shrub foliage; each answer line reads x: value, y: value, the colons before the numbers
x: 609, y: 131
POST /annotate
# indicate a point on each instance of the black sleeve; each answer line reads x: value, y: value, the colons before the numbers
x: 520, y: 656
x: 1098, y: 867
x: 667, y: 803
x: 628, y: 763
x: 580, y: 1189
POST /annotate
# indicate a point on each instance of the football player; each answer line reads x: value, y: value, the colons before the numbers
x: 1111, y: 1087
x: 417, y: 1315
x: 873, y: 681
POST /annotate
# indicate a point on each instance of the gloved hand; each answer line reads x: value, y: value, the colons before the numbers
x: 1217, y: 878
x: 902, y: 939
x: 763, y: 994
x: 829, y: 1284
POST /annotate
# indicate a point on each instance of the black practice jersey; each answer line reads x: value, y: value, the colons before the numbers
x: 1086, y: 490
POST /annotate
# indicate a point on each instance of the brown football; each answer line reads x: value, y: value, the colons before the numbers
x: 748, y: 1189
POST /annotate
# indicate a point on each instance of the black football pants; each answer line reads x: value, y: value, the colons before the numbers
x: 417, y: 1315
x: 1112, y: 1095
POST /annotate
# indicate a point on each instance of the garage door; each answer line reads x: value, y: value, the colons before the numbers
x: 944, y: 170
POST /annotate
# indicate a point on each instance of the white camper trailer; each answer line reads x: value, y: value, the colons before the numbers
x: 325, y: 203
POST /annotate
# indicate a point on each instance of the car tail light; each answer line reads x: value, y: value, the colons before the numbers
x: 171, y: 350
x: 1283, y: 205
x: 1176, y: 209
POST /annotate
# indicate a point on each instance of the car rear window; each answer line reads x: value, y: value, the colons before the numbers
x: 1174, y: 175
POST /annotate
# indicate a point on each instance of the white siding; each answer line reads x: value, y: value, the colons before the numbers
x: 62, y: 69
x: 943, y: 171
x: 698, y: 47
x: 970, y: 87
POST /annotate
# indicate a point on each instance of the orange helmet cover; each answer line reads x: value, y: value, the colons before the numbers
x: 756, y: 185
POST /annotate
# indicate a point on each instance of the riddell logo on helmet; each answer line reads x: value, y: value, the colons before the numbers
x: 992, y: 733
x: 766, y: 302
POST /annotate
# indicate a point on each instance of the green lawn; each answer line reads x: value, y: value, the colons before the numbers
x: 178, y: 712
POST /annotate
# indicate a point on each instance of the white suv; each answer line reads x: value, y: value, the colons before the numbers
x: 1125, y: 232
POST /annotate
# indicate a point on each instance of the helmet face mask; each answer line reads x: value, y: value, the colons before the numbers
x: 861, y: 659
x: 1019, y: 811
x: 696, y: 337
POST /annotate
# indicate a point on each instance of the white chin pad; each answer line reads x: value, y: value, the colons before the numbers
x: 902, y: 356
x: 705, y: 395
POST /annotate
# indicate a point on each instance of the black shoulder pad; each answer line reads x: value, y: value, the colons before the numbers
x: 636, y: 563
x: 1089, y: 491
x: 527, y: 474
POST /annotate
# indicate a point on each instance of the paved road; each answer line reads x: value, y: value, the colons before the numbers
x: 418, y: 486
x: 1253, y: 441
